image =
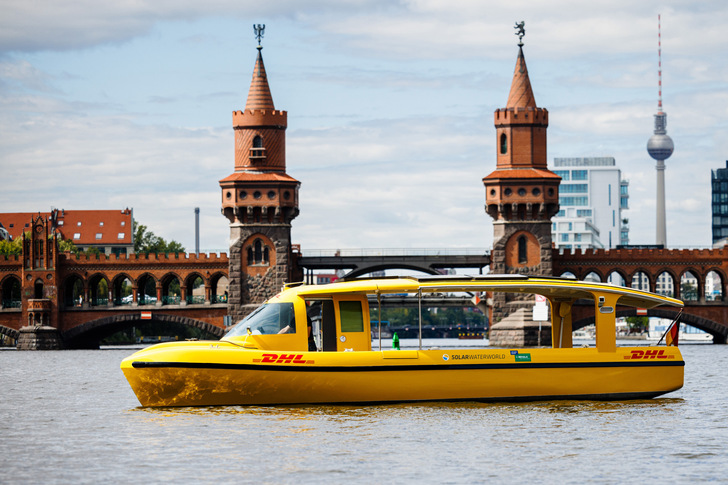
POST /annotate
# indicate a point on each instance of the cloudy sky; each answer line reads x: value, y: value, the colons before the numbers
x: 390, y: 108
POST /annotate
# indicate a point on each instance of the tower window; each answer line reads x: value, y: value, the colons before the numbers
x: 503, y: 144
x: 257, y: 152
x: 258, y: 254
x: 522, y: 250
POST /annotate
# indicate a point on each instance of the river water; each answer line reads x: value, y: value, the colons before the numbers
x: 70, y: 417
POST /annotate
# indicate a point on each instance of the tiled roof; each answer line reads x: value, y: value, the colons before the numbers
x: 259, y: 177
x: 83, y: 227
x: 521, y: 95
x: 521, y: 173
x: 259, y: 96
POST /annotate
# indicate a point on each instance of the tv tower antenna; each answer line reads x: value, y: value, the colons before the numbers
x: 660, y: 147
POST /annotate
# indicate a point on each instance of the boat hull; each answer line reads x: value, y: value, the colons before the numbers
x: 219, y: 373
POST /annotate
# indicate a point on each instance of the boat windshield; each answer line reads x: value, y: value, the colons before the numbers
x: 270, y: 318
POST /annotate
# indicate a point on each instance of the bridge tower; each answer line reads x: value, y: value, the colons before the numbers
x: 259, y: 199
x: 522, y: 194
x: 39, y: 289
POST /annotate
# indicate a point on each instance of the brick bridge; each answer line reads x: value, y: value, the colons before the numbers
x: 87, y: 298
x: 696, y: 276
x: 88, y: 303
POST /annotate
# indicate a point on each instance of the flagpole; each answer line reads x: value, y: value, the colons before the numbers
x: 670, y: 326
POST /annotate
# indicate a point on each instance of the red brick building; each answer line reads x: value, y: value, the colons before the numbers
x: 110, y: 231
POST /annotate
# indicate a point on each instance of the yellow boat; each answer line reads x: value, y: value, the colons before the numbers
x: 312, y: 344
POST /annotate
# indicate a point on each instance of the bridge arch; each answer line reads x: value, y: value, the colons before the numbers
x: 193, y: 281
x: 117, y: 288
x: 717, y: 289
x: 73, y: 288
x: 96, y: 294
x: 10, y: 292
x: 381, y: 267
x: 617, y: 277
x: 666, y: 282
x: 685, y: 290
x: 171, y: 292
x: 147, y: 286
x: 89, y: 334
x: 640, y: 279
x: 215, y: 280
x: 592, y: 274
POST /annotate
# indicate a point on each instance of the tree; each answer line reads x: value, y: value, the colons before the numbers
x: 147, y: 242
x: 11, y: 247
x: 637, y: 324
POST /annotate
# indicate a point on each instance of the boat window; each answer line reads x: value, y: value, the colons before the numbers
x: 352, y: 317
x: 271, y: 318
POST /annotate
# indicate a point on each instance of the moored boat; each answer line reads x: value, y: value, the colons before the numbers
x: 312, y: 344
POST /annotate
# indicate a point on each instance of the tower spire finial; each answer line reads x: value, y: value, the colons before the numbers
x: 520, y: 31
x: 259, y: 29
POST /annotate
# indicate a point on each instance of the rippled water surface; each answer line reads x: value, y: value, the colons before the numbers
x: 70, y: 417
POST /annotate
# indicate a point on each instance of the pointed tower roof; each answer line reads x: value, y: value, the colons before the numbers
x: 521, y: 95
x: 259, y: 96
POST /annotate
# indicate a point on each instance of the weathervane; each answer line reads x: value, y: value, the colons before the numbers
x: 520, y: 31
x: 259, y: 30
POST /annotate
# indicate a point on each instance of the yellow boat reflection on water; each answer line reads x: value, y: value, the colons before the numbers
x: 312, y: 344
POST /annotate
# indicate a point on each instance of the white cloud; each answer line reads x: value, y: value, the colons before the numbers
x: 390, y: 108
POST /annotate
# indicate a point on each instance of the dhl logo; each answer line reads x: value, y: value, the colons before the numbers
x: 648, y: 354
x: 283, y: 359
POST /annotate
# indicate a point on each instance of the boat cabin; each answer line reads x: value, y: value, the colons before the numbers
x: 336, y: 317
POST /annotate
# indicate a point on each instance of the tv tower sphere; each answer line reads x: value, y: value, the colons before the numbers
x: 660, y: 145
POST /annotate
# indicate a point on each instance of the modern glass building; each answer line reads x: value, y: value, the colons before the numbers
x: 592, y: 196
x: 719, y: 183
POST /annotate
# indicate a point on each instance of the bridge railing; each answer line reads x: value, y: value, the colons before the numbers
x: 394, y: 252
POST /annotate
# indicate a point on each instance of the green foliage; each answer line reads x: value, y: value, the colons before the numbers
x: 638, y: 324
x: 11, y: 247
x: 147, y: 242
x: 67, y: 246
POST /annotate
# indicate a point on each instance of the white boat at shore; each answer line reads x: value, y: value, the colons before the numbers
x: 687, y: 333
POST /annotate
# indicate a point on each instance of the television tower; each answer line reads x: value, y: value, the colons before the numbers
x: 660, y: 147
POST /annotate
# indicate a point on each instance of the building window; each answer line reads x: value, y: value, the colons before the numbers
x: 121, y: 235
x: 579, y: 175
x: 60, y: 223
x: 123, y: 223
x: 101, y: 223
x: 258, y: 254
x: 76, y: 235
x: 98, y: 236
x: 564, y: 237
x: 257, y: 151
x: 78, y: 223
x: 522, y: 250
x: 564, y: 174
x: 573, y: 201
x: 574, y: 189
x: 503, y: 144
